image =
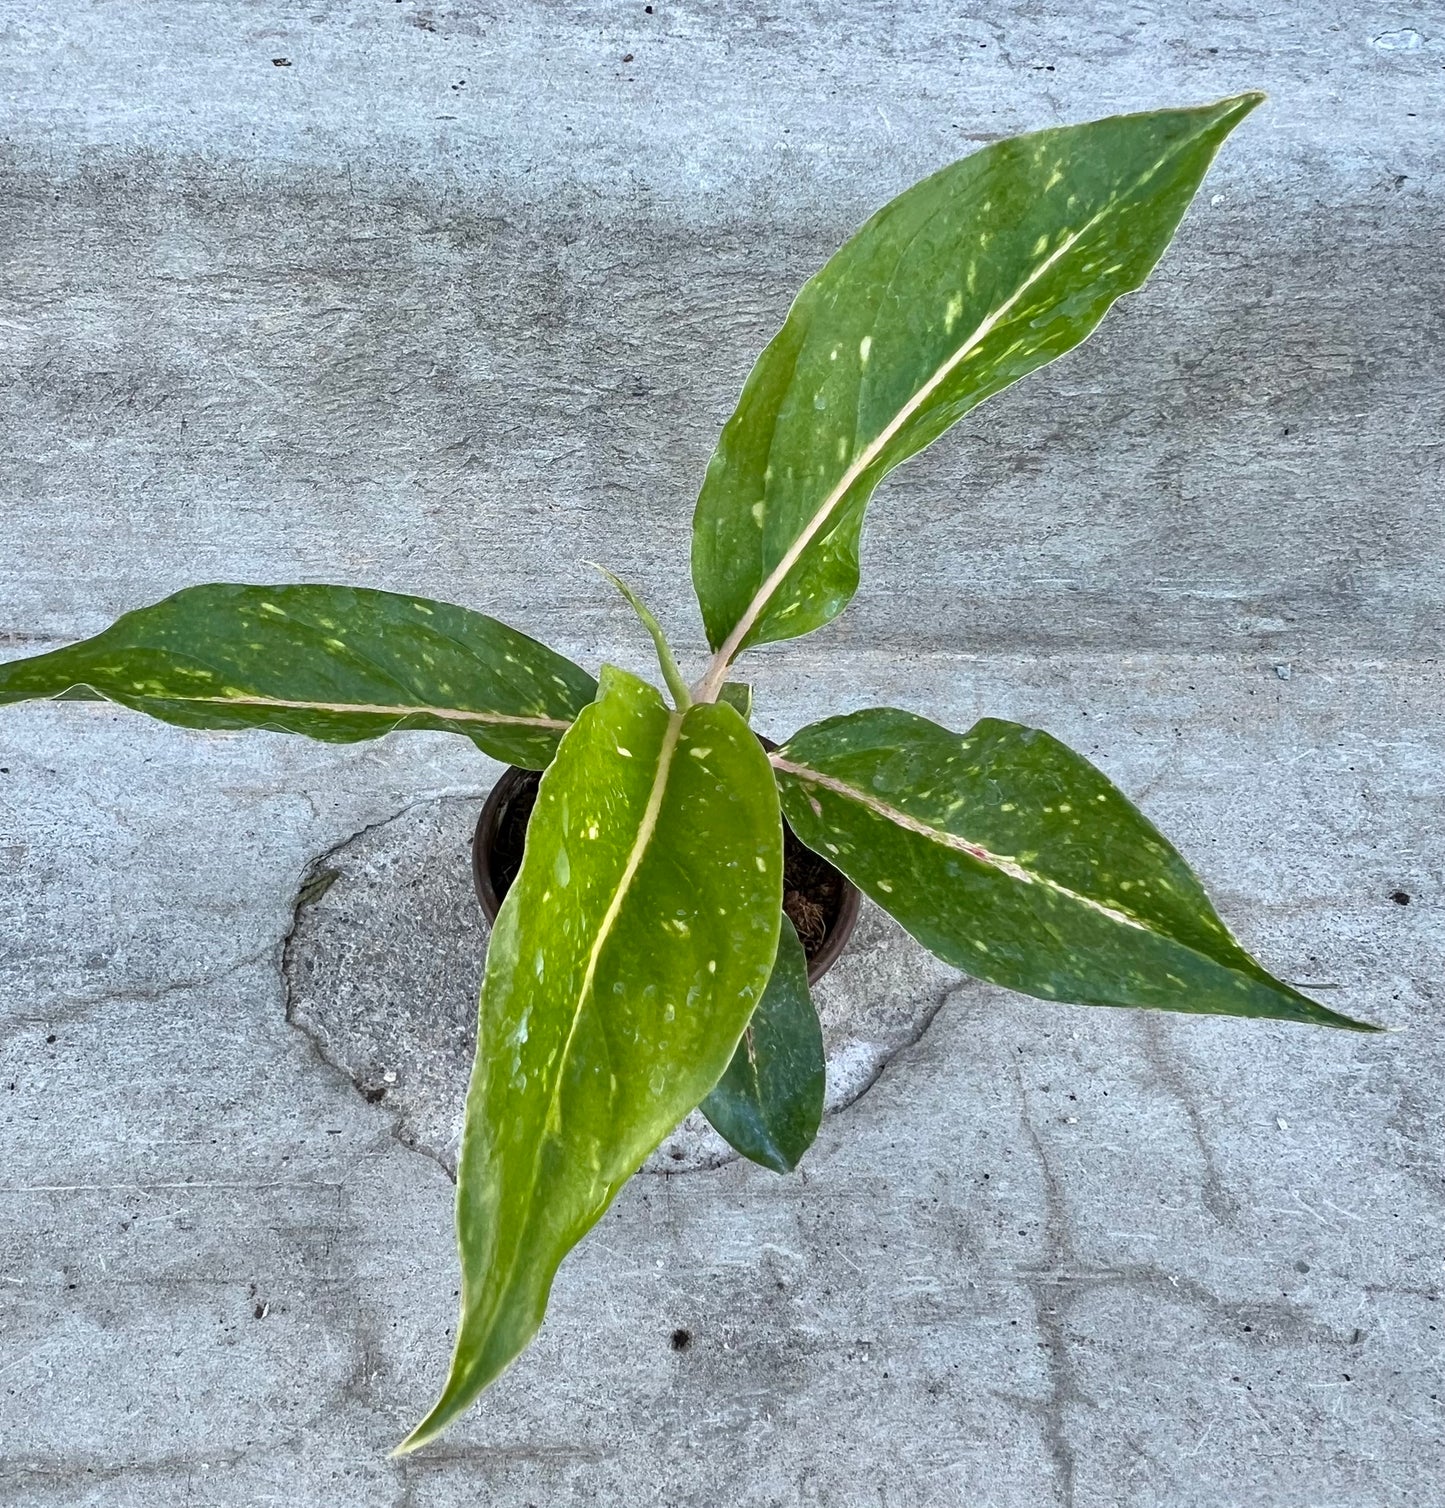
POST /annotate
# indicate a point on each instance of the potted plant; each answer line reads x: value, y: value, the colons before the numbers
x: 641, y: 963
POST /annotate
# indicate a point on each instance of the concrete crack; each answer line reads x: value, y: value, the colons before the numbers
x: 1052, y: 1302
x: 77, y: 1008
x: 1152, y: 1031
x: 317, y: 878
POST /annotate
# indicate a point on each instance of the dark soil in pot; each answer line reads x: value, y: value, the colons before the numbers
x: 818, y: 899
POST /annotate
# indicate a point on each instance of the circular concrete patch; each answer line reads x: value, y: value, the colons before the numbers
x: 384, y: 961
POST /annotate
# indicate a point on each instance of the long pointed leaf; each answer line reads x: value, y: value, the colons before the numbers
x: 624, y: 965
x: 332, y: 662
x: 769, y: 1104
x: 1013, y: 858
x: 959, y: 287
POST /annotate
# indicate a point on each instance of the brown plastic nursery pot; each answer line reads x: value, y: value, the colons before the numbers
x: 822, y: 903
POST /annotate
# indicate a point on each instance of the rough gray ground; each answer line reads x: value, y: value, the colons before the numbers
x: 354, y: 318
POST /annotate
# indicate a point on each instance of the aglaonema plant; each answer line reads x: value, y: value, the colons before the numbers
x: 641, y: 965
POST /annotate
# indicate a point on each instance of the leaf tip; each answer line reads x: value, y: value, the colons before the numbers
x: 1324, y: 1016
x: 775, y: 1160
x: 436, y: 1421
x: 414, y: 1441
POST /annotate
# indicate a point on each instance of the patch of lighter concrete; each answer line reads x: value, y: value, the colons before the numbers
x: 385, y: 957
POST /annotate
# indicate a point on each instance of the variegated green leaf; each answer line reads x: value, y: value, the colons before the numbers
x: 769, y: 1104
x: 959, y: 287
x: 333, y: 662
x: 738, y: 694
x: 1013, y: 858
x: 626, y: 961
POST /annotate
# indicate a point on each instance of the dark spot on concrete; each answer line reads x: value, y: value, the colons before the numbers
x: 281, y: 62
x: 260, y: 1311
x: 1401, y: 897
x: 1301, y: 1266
x: 373, y: 1094
x: 51, y: 1037
x: 627, y: 57
x: 681, y: 1340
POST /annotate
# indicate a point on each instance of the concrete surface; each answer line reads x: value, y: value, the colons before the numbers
x: 350, y: 317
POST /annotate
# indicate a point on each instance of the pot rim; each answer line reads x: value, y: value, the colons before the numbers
x: 490, y: 820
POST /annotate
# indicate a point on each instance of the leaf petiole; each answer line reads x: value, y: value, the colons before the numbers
x: 676, y: 683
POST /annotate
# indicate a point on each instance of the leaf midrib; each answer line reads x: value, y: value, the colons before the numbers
x: 1004, y: 864
x: 1240, y: 964
x: 646, y: 829
x: 340, y: 709
x: 875, y: 448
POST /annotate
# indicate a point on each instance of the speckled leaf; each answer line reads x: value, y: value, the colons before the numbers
x: 333, y: 662
x: 624, y: 965
x: 959, y: 287
x: 738, y: 694
x: 769, y: 1103
x: 1013, y: 858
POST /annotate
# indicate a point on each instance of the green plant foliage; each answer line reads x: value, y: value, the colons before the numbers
x: 641, y: 965
x: 739, y: 695
x: 1013, y: 858
x: 626, y: 961
x: 769, y: 1103
x: 959, y: 287
x: 333, y: 662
